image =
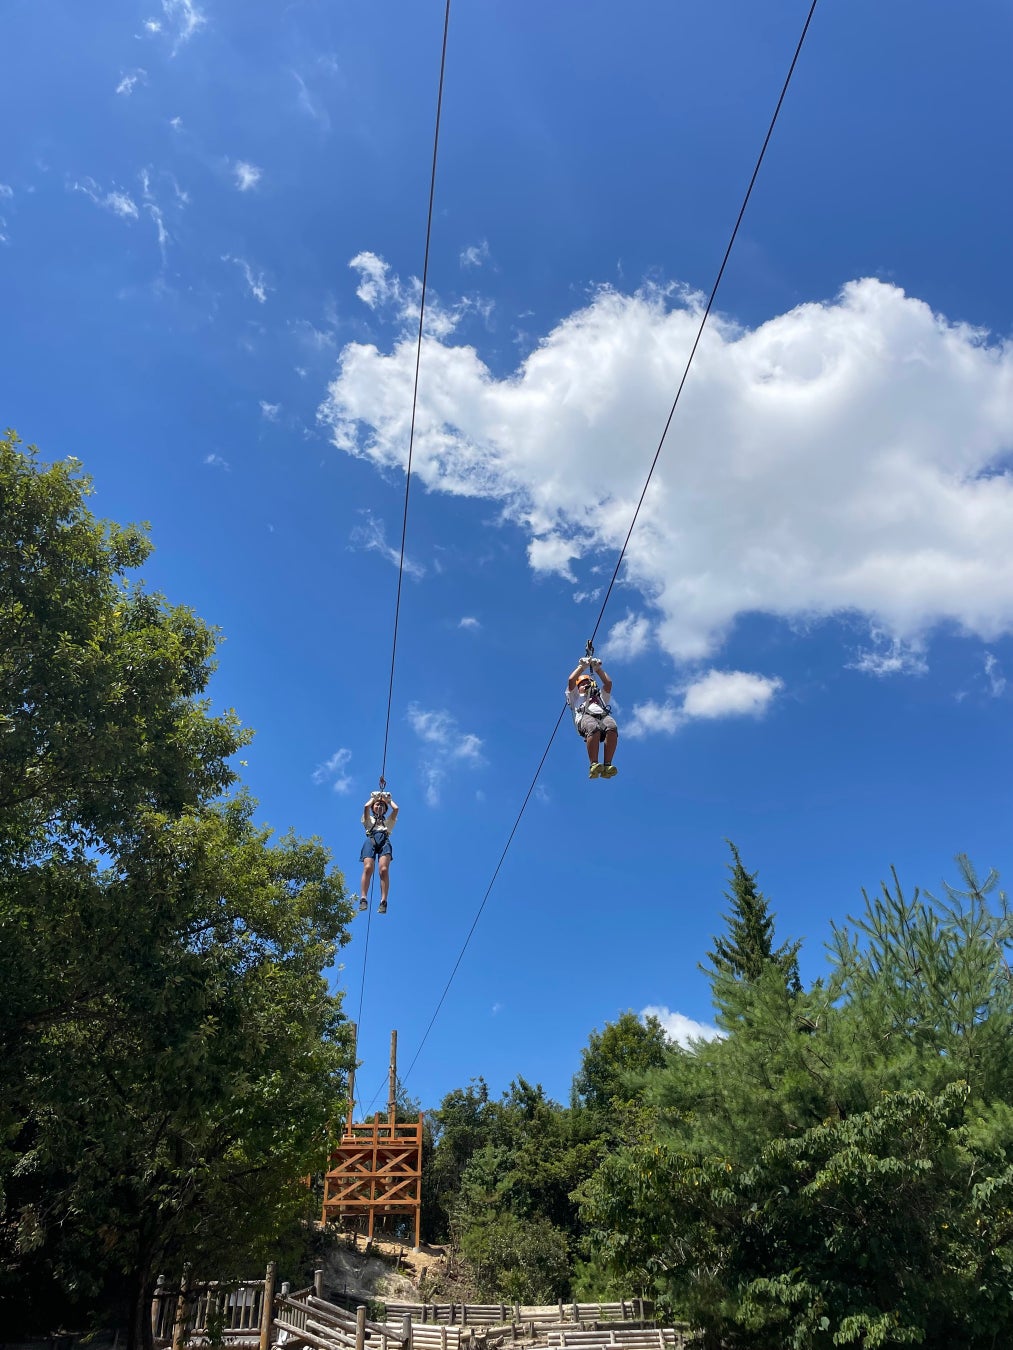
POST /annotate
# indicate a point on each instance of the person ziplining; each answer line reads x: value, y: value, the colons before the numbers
x: 592, y: 713
x: 379, y: 816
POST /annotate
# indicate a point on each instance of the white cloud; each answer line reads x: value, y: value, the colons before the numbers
x: 627, y: 639
x: 254, y: 280
x: 120, y: 203
x: 372, y: 536
x: 333, y: 771
x: 214, y: 461
x: 553, y: 554
x: 718, y: 693
x: 270, y: 411
x: 127, y: 83
x: 183, y: 19
x: 469, y: 622
x: 890, y: 656
x: 476, y: 255
x: 310, y: 104
x: 445, y: 745
x: 729, y: 693
x: 176, y: 123
x: 383, y: 291
x: 993, y: 673
x: 849, y: 458
x: 680, y: 1028
x: 247, y: 176
x: 6, y: 190
x: 154, y: 211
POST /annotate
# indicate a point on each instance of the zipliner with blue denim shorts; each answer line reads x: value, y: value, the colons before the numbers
x: 592, y: 715
x: 379, y: 816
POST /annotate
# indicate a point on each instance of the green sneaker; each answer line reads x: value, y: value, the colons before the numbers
x: 608, y: 771
x: 594, y: 770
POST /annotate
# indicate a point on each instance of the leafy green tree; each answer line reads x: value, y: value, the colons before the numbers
x: 835, y: 1170
x: 615, y: 1060
x: 517, y: 1260
x: 169, y: 1050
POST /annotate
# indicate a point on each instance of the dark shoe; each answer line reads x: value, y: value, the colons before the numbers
x: 363, y: 903
x: 382, y: 907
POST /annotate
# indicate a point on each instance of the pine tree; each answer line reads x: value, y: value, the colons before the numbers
x: 747, y: 950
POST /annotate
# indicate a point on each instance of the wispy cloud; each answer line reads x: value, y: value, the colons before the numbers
x: 182, y: 20
x: 993, y: 673
x: 476, y: 255
x: 446, y: 746
x: 383, y: 290
x: 890, y: 656
x: 680, y: 1028
x: 628, y: 638
x: 269, y: 411
x: 333, y: 771
x: 6, y: 190
x: 127, y: 83
x: 470, y: 623
x: 247, y: 176
x: 718, y: 693
x: 371, y: 535
x: 214, y: 461
x: 254, y: 280
x: 155, y: 212
x: 120, y: 203
x: 310, y: 104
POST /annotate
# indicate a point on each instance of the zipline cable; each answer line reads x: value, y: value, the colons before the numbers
x: 640, y: 502
x: 415, y: 386
x: 707, y: 310
x: 411, y: 446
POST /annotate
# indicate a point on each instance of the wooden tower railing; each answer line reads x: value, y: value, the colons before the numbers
x: 376, y: 1168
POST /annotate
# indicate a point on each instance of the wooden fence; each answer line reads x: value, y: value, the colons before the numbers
x: 252, y: 1315
x: 502, y: 1314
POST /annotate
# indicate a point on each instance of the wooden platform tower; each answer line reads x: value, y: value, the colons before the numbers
x: 376, y: 1169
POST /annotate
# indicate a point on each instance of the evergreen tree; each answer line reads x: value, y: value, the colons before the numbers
x: 747, y: 949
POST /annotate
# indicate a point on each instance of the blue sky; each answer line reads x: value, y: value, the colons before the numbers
x: 212, y: 220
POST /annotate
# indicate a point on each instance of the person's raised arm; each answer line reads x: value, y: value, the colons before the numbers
x: 575, y: 674
x: 606, y: 682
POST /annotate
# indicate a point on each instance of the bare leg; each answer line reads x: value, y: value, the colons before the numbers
x: 367, y: 876
x: 592, y: 741
x: 611, y: 740
x: 384, y: 879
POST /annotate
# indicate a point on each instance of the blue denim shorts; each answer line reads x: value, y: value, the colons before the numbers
x: 377, y: 845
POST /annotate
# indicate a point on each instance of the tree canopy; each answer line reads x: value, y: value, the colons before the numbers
x: 170, y: 1051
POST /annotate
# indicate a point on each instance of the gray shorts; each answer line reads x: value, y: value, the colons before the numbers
x: 588, y: 725
x: 377, y: 845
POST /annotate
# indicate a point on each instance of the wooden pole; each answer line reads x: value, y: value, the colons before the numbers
x: 179, y: 1325
x: 360, y: 1327
x: 267, y: 1311
x: 351, y: 1078
x: 318, y: 1282
x: 392, y: 1091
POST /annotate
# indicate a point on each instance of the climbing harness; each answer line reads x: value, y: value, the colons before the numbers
x: 593, y: 702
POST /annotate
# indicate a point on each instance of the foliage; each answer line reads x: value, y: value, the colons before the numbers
x: 747, y: 949
x: 836, y: 1170
x: 170, y: 1051
x: 614, y: 1061
x: 517, y: 1260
